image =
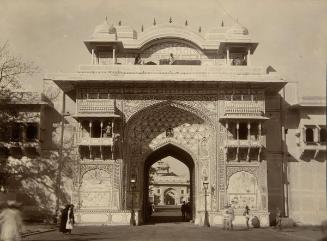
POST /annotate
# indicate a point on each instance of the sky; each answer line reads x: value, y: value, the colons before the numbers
x: 292, y: 34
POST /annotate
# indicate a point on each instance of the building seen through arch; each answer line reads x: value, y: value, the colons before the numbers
x: 166, y: 187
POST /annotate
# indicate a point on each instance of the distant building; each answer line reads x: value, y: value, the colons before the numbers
x: 168, y: 188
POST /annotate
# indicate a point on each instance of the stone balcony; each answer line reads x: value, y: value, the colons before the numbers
x: 89, y: 141
x: 244, y: 107
x: 102, y: 108
x: 315, y: 148
x: 174, y: 69
x: 232, y: 143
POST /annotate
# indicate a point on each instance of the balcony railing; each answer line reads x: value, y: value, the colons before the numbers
x: 89, y: 141
x: 244, y: 107
x: 261, y: 142
x: 85, y: 106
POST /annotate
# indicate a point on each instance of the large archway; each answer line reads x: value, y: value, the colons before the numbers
x: 182, y: 156
x: 161, y: 130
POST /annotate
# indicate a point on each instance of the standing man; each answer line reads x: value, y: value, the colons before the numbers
x: 247, y: 216
x: 183, y: 209
x: 278, y: 218
x: 231, y: 216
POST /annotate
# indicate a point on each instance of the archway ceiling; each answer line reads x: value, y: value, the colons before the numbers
x: 148, y: 128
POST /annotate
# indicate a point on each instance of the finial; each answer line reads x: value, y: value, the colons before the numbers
x: 119, y: 23
x: 154, y: 22
x: 170, y: 20
x: 200, y: 29
x: 186, y: 23
x: 222, y: 23
x: 142, y: 28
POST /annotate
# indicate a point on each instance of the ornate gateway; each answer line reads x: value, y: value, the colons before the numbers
x: 170, y: 91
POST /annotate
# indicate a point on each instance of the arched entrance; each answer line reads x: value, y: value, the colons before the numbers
x: 169, y: 194
x: 158, y: 131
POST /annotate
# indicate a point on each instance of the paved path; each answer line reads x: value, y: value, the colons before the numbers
x: 165, y: 232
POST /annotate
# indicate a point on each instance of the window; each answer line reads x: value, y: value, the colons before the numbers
x: 96, y: 129
x: 31, y: 132
x: 158, y: 191
x: 182, y: 191
x: 243, y: 131
x: 309, y: 135
x: 15, y: 132
x: 322, y: 135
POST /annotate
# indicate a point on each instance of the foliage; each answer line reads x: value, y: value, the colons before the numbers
x: 152, y: 172
x: 12, y: 69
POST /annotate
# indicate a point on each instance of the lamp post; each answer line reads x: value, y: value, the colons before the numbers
x: 206, y: 218
x: 133, y: 184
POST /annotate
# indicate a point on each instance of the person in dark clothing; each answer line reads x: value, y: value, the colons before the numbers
x: 278, y: 219
x: 183, y: 209
x: 63, y: 219
x: 70, y: 219
x: 138, y: 59
x: 188, y: 211
x: 246, y: 213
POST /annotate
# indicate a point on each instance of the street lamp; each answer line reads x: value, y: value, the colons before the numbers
x: 206, y: 218
x: 133, y: 185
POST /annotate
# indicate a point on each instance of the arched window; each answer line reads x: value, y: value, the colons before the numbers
x: 322, y: 135
x: 309, y: 135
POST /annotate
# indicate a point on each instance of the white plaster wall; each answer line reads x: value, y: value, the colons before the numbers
x: 307, y: 192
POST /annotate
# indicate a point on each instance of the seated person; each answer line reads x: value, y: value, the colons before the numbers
x: 171, y: 59
x: 107, y: 131
x: 138, y: 59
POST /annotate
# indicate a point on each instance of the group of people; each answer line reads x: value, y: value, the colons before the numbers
x: 229, y: 216
x: 67, y: 220
x: 138, y: 60
x: 186, y: 211
x: 11, y: 221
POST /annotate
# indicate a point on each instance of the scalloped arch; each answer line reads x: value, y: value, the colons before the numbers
x: 170, y: 31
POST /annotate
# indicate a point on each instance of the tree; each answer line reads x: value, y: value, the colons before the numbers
x: 12, y: 70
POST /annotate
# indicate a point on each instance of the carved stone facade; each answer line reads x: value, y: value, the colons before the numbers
x: 221, y: 119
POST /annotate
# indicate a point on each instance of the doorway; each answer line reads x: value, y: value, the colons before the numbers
x: 169, y: 185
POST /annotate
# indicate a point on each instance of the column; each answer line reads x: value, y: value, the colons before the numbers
x: 162, y: 198
x: 80, y: 132
x: 114, y: 56
x: 316, y: 134
x: 90, y: 126
x: 23, y: 133
x: 237, y: 131
x: 227, y: 136
x: 259, y: 131
x: 92, y: 57
x: 112, y: 128
x: 101, y: 127
x: 249, y: 131
x: 238, y: 141
x: 248, y: 58
x: 227, y: 56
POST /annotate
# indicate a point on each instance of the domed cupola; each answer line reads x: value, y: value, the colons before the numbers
x: 105, y: 30
x: 238, y: 29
